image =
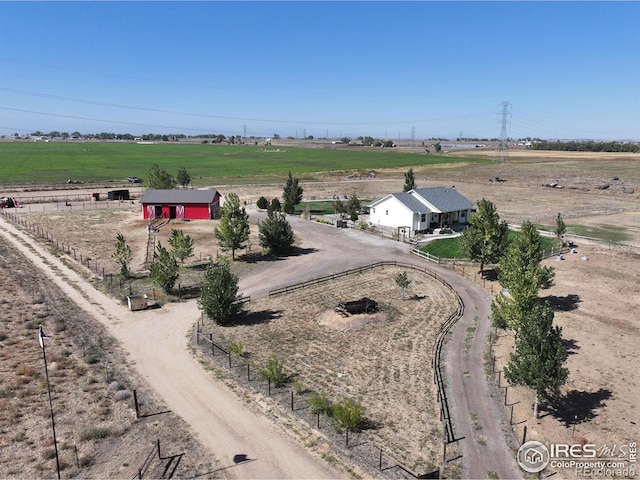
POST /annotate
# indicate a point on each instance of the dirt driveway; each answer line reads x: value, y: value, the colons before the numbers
x: 156, y: 341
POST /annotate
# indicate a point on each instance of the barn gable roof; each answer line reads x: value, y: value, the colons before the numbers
x: 179, y: 196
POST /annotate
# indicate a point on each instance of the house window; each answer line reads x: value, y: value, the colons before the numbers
x: 423, y: 217
x: 386, y: 212
x: 373, y: 210
x: 462, y: 214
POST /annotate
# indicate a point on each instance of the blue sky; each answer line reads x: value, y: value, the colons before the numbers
x: 385, y: 69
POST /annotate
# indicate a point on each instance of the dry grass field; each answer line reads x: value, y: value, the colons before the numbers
x: 92, y: 386
x: 597, y: 303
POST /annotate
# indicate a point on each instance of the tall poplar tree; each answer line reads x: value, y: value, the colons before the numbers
x: 292, y: 194
x: 233, y: 232
x: 539, y: 357
x: 409, y: 181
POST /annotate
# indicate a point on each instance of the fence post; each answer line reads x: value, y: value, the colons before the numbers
x: 248, y: 374
x: 524, y: 434
x: 292, y: 400
x: 158, y: 443
x: 213, y: 348
x: 198, y: 335
x: 269, y: 381
x: 135, y: 403
x: 380, y: 460
x: 229, y: 358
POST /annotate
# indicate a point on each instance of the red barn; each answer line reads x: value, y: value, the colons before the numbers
x: 183, y: 204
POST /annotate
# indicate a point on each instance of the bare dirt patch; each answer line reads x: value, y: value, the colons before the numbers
x: 382, y: 360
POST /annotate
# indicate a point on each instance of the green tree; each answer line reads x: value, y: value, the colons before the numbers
x: 347, y: 415
x: 234, y: 225
x: 122, y: 255
x: 403, y: 281
x: 164, y: 270
x: 181, y: 245
x: 219, y: 298
x: 438, y: 147
x: 539, y: 357
x: 353, y: 207
x: 339, y: 207
x: 485, y: 238
x: 275, y: 205
x: 409, y: 181
x: 292, y: 194
x: 522, y: 275
x: 274, y: 371
x: 183, y: 177
x: 159, y: 179
x: 275, y: 234
x: 561, y: 229
x: 262, y: 203
x: 320, y: 404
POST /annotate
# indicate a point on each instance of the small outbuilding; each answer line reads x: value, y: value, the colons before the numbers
x: 180, y: 204
x: 118, y: 194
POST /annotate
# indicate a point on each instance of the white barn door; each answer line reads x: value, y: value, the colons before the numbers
x: 151, y: 212
x: 180, y: 212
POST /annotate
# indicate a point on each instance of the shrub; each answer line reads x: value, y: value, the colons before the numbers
x: 237, y: 348
x: 319, y: 403
x: 94, y: 433
x: 347, y: 415
x: 262, y: 203
x: 274, y: 371
x: 121, y: 395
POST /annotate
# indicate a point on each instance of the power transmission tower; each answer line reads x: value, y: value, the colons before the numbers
x: 502, y: 149
x: 413, y: 137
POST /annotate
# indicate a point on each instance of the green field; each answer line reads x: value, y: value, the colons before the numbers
x: 102, y: 161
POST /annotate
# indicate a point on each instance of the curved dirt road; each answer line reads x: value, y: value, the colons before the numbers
x: 156, y: 341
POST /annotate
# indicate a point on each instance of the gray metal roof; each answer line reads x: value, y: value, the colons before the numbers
x: 178, y: 197
x: 444, y: 199
x: 411, y: 202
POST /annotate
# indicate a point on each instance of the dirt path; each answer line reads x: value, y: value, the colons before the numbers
x: 156, y: 341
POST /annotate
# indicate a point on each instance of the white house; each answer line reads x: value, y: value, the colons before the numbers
x: 419, y: 209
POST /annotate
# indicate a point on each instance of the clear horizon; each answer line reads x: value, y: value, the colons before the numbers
x: 329, y: 69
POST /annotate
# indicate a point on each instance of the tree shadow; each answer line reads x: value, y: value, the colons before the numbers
x: 563, y: 304
x: 369, y: 424
x: 577, y: 406
x: 256, y: 318
x: 570, y: 345
x: 298, y: 251
x: 490, y: 274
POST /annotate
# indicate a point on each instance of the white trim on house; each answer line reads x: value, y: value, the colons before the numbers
x: 419, y: 209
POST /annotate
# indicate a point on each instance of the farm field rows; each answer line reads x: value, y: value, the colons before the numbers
x: 99, y: 161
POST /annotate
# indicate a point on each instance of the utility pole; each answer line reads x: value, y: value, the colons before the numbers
x: 413, y: 137
x: 502, y: 149
x: 244, y: 132
x: 41, y: 338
